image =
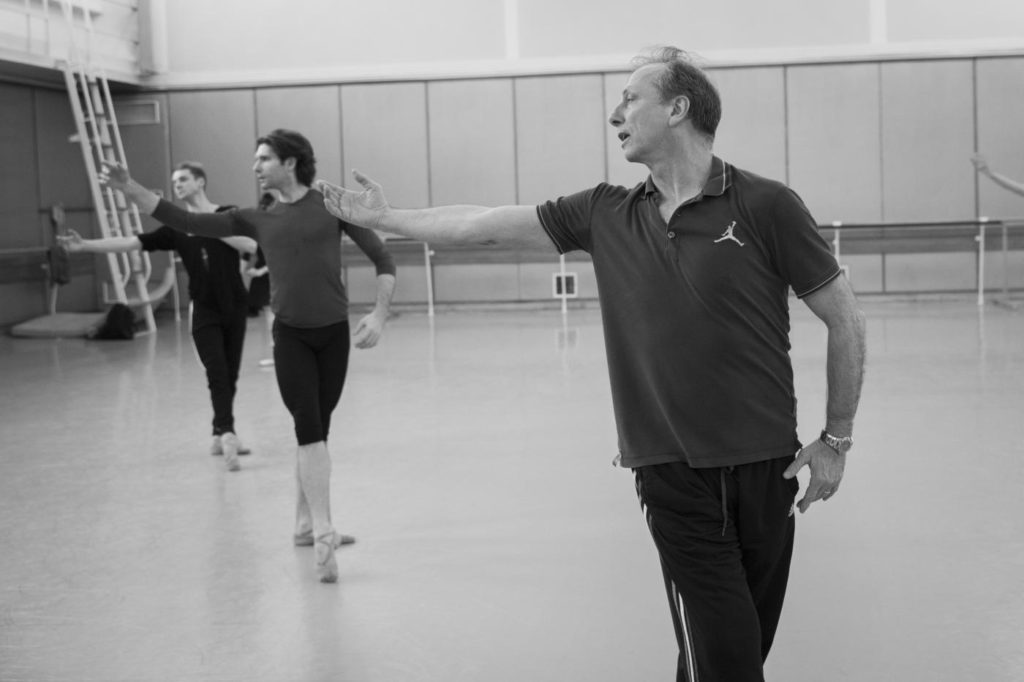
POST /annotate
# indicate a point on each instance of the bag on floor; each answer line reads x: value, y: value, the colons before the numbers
x: 119, y: 324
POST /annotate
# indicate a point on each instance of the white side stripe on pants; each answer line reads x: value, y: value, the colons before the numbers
x: 684, y: 623
x: 676, y: 603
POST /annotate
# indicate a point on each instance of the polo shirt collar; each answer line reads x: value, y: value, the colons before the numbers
x: 719, y: 180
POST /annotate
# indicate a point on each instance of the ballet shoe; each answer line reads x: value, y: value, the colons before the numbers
x: 326, y: 564
x: 229, y: 444
x: 306, y: 539
x: 217, y: 448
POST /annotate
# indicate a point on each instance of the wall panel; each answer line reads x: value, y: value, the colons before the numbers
x: 19, y: 181
x: 927, y: 141
x: 384, y: 135
x: 315, y: 112
x: 21, y: 301
x: 217, y: 129
x: 560, y: 135
x: 924, y: 272
x: 476, y: 283
x: 834, y: 140
x: 865, y: 272
x: 472, y: 142
x: 147, y: 145
x: 535, y: 280
x: 62, y: 175
x: 752, y: 133
x: 1004, y: 270
x: 1000, y: 88
x: 361, y: 284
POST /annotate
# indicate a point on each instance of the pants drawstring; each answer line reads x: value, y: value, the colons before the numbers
x: 725, y: 507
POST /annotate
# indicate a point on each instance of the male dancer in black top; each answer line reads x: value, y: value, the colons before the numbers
x: 218, y: 298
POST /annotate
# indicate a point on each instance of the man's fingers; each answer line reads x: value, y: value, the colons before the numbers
x: 815, y: 492
x: 364, y: 180
x: 810, y: 497
x: 798, y: 463
x: 327, y: 188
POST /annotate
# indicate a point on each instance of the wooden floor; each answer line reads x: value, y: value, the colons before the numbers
x: 496, y: 543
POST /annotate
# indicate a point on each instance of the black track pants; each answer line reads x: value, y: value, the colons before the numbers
x: 725, y: 538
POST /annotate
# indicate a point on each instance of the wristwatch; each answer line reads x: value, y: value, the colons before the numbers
x: 840, y: 445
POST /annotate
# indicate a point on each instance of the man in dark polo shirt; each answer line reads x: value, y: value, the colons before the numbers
x: 694, y: 268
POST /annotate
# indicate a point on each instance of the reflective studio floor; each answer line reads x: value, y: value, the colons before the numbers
x: 496, y: 543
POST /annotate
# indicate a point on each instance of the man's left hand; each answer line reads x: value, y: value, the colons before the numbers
x: 826, y: 472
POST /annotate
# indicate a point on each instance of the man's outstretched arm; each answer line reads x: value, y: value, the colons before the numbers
x: 981, y: 164
x: 74, y: 243
x: 512, y: 226
x: 115, y: 176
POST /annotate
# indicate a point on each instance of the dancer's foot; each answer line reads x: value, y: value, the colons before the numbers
x: 217, y: 447
x: 305, y: 539
x: 230, y: 445
x: 326, y: 564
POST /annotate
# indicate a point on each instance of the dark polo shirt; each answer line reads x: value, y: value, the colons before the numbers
x: 696, y: 312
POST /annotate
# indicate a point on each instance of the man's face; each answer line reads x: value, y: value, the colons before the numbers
x: 185, y: 184
x: 641, y: 118
x: 271, y: 173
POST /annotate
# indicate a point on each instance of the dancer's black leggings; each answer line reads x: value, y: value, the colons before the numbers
x: 311, y: 365
x: 219, y: 339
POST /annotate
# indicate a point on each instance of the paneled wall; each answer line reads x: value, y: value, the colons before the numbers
x: 472, y: 142
x: 860, y: 142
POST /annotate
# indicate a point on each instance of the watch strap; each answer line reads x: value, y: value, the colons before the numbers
x: 841, y: 444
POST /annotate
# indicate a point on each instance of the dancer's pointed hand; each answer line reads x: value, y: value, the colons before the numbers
x: 114, y: 175
x: 71, y: 242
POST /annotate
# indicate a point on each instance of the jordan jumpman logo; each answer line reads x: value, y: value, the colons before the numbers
x: 728, y: 235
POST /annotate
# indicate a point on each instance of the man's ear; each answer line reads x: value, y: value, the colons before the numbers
x: 680, y: 109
